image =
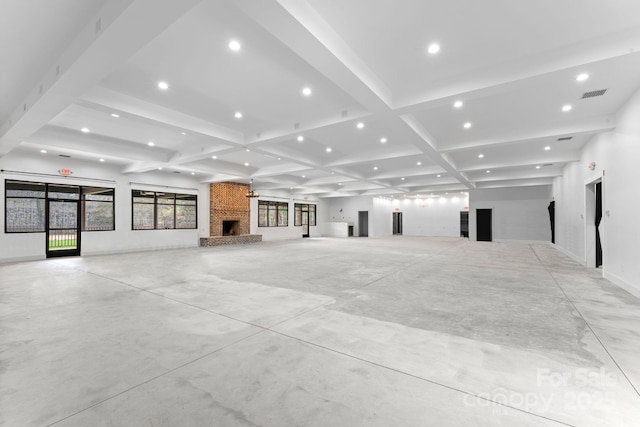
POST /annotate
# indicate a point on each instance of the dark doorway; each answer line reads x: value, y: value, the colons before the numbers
x: 464, y: 224
x: 484, y: 232
x: 598, y: 189
x: 363, y: 223
x: 397, y: 223
x: 62, y: 221
x: 305, y: 223
x: 552, y: 219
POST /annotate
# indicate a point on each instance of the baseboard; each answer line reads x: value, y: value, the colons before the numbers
x: 134, y: 250
x: 520, y: 241
x: 23, y: 259
x: 617, y: 280
x: 569, y: 254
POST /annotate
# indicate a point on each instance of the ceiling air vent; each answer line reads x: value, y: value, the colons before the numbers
x: 548, y: 164
x: 64, y: 155
x: 176, y: 171
x: 565, y: 138
x: 593, y: 93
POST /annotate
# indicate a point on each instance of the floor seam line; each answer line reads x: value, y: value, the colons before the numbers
x: 262, y: 330
x: 624, y: 374
x: 414, y: 376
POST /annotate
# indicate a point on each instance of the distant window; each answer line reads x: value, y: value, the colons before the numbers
x: 98, y: 209
x: 310, y: 209
x: 273, y: 214
x: 24, y: 207
x: 158, y: 210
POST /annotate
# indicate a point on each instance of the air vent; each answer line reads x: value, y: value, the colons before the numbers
x: 593, y: 93
x: 176, y: 171
x: 64, y: 155
x: 548, y: 164
x: 565, y: 138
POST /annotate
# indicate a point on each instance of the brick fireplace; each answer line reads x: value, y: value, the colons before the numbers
x: 229, y: 215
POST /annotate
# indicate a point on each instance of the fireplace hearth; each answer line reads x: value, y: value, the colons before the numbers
x: 231, y: 228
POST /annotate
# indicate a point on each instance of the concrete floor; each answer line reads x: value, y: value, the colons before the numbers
x: 401, y: 331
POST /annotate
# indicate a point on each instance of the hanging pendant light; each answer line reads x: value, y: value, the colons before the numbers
x: 252, y: 194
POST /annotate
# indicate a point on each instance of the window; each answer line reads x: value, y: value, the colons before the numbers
x: 26, y: 204
x: 24, y: 207
x: 273, y: 214
x: 311, y: 214
x: 97, y: 209
x: 160, y: 211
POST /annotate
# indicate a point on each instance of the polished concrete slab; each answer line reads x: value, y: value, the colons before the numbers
x: 316, y: 332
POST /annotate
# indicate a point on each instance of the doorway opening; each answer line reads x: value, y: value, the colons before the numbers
x: 484, y: 232
x: 594, y: 227
x: 62, y: 219
x: 397, y: 223
x: 363, y: 223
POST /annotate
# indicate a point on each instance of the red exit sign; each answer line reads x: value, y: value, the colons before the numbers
x: 65, y: 171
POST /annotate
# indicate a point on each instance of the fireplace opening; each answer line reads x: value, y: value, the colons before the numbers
x: 230, y: 228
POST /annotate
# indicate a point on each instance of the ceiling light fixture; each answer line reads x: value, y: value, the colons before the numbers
x: 383, y: 140
x: 237, y: 115
x: 246, y: 164
x: 547, y: 148
x: 85, y: 130
x: 419, y: 163
x: 402, y: 179
x: 467, y: 125
x: 438, y: 176
x: 251, y: 193
x: 151, y: 143
x: 306, y: 91
x: 247, y: 150
x: 582, y: 77
x: 480, y: 156
x: 183, y: 133
x: 214, y: 157
x: 234, y: 45
x: 193, y: 173
x: 160, y: 168
x: 567, y: 107
x: 433, y: 48
x: 115, y: 115
x: 328, y: 149
x: 102, y: 160
x: 538, y: 167
x: 375, y: 168
x: 488, y: 171
x: 300, y: 138
x: 360, y: 125
x: 43, y: 151
x: 458, y: 104
x: 163, y: 85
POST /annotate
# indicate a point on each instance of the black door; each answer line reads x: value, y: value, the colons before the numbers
x: 363, y: 223
x: 483, y: 225
x: 305, y: 223
x: 464, y: 224
x: 397, y: 223
x: 63, y: 236
x: 598, y: 219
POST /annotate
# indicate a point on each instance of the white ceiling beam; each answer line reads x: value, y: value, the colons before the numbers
x: 104, y: 44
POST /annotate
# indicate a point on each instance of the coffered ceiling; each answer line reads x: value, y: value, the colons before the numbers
x: 381, y: 117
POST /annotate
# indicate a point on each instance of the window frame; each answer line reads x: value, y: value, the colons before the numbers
x: 304, y: 207
x: 163, y: 195
x: 279, y: 209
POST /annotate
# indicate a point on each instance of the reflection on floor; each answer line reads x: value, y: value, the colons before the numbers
x: 319, y: 332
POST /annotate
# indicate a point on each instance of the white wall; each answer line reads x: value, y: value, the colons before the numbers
x: 616, y: 155
x: 345, y: 209
x: 519, y: 213
x: 292, y: 231
x: 21, y: 246
x: 431, y: 216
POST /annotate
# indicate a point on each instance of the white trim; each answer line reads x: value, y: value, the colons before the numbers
x: 620, y: 282
x: 514, y: 241
x: 569, y: 254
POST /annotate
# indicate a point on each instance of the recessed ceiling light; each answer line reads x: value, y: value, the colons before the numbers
x: 102, y: 160
x: 237, y: 115
x: 234, y: 45
x: 115, y: 115
x: 488, y: 171
x: 402, y: 179
x: 567, y: 107
x: 151, y: 143
x: 246, y: 164
x: 360, y: 125
x: 339, y: 183
x: 214, y: 157
x: 300, y: 138
x: 163, y: 85
x: 328, y: 149
x: 480, y: 156
x: 193, y: 173
x: 160, y: 168
x: 383, y: 140
x: 183, y: 133
x: 538, y: 167
x: 247, y: 150
x: 306, y: 91
x: 375, y: 168
x: 279, y: 158
x: 467, y: 125
x: 303, y: 176
x: 582, y: 77
x: 433, y: 48
x: 457, y: 104
x: 85, y: 130
x: 419, y: 163
x: 439, y: 175
x: 547, y: 148
x: 43, y: 151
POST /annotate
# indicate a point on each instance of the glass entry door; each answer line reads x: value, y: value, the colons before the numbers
x: 62, y: 227
x: 305, y: 224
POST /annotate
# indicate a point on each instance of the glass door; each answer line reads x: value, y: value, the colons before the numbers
x: 63, y: 211
x: 305, y: 224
